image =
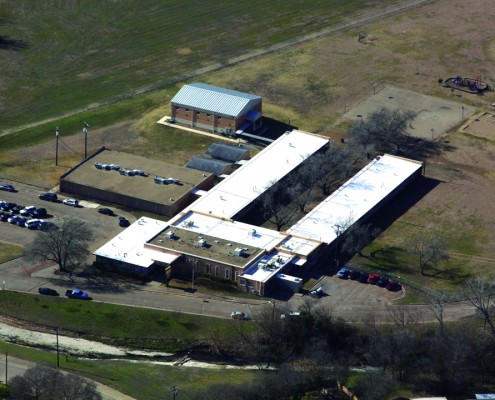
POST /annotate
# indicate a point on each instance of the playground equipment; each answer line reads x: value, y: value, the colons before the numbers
x: 469, y: 85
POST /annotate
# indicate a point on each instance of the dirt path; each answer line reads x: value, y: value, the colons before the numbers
x: 351, y: 23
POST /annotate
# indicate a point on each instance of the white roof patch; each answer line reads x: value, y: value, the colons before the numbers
x: 128, y: 246
x: 355, y: 198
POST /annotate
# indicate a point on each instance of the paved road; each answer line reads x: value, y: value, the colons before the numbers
x: 11, y: 367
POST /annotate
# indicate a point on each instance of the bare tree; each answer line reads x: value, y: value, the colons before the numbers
x: 382, y: 128
x: 279, y: 204
x: 437, y: 301
x: 67, y: 245
x: 36, y: 383
x: 41, y: 382
x: 480, y: 292
x: 429, y: 248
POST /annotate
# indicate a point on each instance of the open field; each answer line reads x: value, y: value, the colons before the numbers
x: 118, y: 325
x: 313, y: 85
x: 112, y: 48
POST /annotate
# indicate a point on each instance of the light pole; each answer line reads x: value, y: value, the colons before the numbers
x: 192, y: 280
x: 432, y: 133
x: 57, y: 330
x: 85, y: 131
x: 462, y: 111
x: 174, y: 389
x: 6, y: 367
x: 374, y: 87
x: 57, y: 134
x: 337, y: 239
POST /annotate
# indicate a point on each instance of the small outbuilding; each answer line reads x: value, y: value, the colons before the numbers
x: 229, y: 152
x: 210, y: 165
x: 216, y: 109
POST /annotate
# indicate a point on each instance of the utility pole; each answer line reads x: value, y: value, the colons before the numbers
x: 57, y: 134
x: 6, y: 367
x: 57, y: 330
x: 192, y: 280
x: 85, y: 131
x: 174, y: 389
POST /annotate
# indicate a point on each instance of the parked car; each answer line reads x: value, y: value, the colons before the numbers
x: 77, y: 294
x: 317, y: 292
x: 8, y: 188
x: 6, y: 206
x: 21, y: 221
x: 13, y: 219
x: 354, y: 274
x: 393, y: 286
x: 16, y: 209
x: 239, y: 315
x: 48, y: 196
x: 47, y: 291
x: 39, y: 213
x: 343, y: 273
x: 105, y: 211
x: 27, y: 211
x: 363, y: 278
x: 123, y: 222
x: 292, y: 314
x: 45, y: 225
x: 71, y: 202
x: 32, y: 223
x: 4, y: 216
x: 382, y: 282
x: 373, y: 278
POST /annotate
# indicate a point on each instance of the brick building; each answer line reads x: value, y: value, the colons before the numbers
x: 216, y: 109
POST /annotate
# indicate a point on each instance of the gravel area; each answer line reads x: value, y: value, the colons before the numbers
x: 73, y: 346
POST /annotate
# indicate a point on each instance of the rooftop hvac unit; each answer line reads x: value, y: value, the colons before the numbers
x: 239, y: 251
x: 202, y: 243
x: 170, y: 235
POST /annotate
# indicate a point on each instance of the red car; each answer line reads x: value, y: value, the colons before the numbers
x: 373, y: 278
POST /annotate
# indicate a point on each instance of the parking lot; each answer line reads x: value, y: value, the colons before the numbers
x: 104, y: 226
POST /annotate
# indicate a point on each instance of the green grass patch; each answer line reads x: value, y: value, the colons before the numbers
x: 119, y: 325
x: 141, y: 380
x: 9, y: 251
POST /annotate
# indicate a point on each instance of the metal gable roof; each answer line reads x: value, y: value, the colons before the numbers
x: 226, y: 151
x: 216, y: 167
x: 200, y: 96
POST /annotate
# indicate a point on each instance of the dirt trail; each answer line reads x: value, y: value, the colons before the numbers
x: 350, y: 23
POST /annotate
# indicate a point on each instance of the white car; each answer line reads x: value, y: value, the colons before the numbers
x: 71, y: 202
x: 27, y: 210
x: 239, y: 315
x: 33, y: 223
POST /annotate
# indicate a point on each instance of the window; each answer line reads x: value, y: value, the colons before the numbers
x: 236, y: 275
x: 187, y: 109
x: 242, y: 282
x: 217, y: 270
x: 177, y: 108
x: 208, y: 115
x: 208, y: 268
x: 227, y: 273
x: 198, y: 112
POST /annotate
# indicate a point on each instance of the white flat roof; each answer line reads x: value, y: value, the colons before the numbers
x: 249, y: 235
x: 244, y: 185
x: 355, y: 198
x: 266, y: 267
x: 128, y: 246
x: 298, y: 245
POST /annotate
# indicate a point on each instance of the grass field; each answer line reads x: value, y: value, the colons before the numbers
x: 10, y: 251
x: 68, y: 55
x: 141, y: 380
x: 117, y: 325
